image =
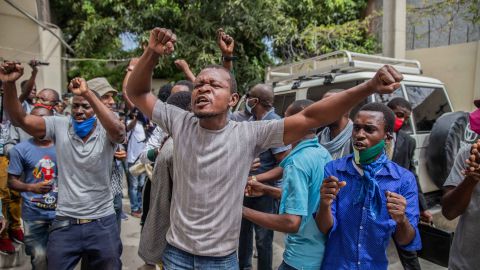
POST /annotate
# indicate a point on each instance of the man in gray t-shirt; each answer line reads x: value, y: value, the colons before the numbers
x: 213, y: 157
x: 85, y: 223
x: 462, y: 198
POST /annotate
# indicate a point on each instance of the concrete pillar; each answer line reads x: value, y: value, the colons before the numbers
x: 394, y: 28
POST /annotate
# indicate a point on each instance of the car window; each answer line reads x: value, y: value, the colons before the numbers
x: 428, y: 104
x: 316, y: 93
x: 385, y: 98
x: 281, y: 102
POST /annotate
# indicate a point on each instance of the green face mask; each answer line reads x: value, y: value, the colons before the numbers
x: 369, y: 155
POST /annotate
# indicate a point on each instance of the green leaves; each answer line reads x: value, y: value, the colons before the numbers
x: 295, y: 29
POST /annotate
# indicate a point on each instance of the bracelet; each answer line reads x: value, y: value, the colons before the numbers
x: 226, y: 58
x: 254, y: 178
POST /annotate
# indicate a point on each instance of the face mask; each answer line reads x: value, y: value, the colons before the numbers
x: 475, y: 121
x: 249, y: 109
x: 83, y: 128
x: 370, y: 154
x: 398, y: 124
x: 50, y: 108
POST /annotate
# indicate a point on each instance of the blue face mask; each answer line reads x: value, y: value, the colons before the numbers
x: 248, y: 108
x: 83, y: 128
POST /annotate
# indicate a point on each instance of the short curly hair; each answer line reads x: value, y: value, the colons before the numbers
x: 388, y: 114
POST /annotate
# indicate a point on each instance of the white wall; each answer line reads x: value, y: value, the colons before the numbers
x: 22, y: 40
x: 458, y: 66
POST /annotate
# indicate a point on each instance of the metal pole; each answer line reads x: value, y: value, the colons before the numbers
x: 413, y: 38
x: 429, y: 33
x: 41, y: 25
x: 449, y: 34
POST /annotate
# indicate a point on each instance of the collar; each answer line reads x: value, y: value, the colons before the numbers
x: 346, y: 165
x: 272, y: 110
x: 302, y: 145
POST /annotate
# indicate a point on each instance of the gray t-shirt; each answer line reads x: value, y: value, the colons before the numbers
x: 84, y: 170
x: 466, y: 241
x: 210, y: 174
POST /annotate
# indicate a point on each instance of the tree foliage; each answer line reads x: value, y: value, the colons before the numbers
x: 265, y: 32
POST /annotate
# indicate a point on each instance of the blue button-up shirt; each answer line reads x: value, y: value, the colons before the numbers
x: 356, y: 240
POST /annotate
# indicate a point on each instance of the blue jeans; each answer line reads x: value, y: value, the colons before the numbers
x: 285, y: 266
x: 36, y: 239
x: 117, y: 206
x: 263, y: 237
x: 176, y: 259
x: 98, y: 242
x: 135, y: 187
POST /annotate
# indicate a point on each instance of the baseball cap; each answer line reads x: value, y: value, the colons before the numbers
x: 101, y: 86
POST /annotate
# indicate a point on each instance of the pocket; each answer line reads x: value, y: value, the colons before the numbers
x: 59, y: 224
x: 108, y: 222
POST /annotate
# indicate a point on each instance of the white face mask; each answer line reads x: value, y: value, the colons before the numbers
x: 249, y: 109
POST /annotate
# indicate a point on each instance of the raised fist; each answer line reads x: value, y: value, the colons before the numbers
x: 386, y: 80
x: 329, y: 190
x: 396, y: 205
x: 162, y: 41
x: 78, y: 86
x: 181, y: 64
x: 225, y: 42
x: 10, y: 71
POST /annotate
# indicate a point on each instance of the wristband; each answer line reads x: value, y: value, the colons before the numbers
x: 226, y: 58
x: 254, y: 178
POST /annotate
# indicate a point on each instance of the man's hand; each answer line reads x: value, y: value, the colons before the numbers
x: 225, y: 43
x: 78, y: 86
x: 162, y: 41
x: 396, y: 205
x: 3, y: 224
x: 329, y: 190
x: 181, y: 64
x: 255, y: 165
x: 426, y: 216
x: 120, y: 154
x: 34, y: 65
x: 41, y: 188
x: 386, y: 80
x: 10, y: 71
x: 254, y: 189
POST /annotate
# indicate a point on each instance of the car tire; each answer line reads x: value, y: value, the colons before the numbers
x: 450, y: 132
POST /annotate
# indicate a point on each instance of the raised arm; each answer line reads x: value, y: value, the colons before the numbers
x: 27, y: 89
x: 130, y: 68
x: 115, y: 129
x: 226, y: 45
x: 139, y: 83
x: 182, y: 65
x: 326, y: 111
x: 33, y: 125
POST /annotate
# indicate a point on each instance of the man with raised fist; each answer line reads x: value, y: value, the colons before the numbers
x: 85, y: 224
x: 366, y: 199
x: 213, y: 166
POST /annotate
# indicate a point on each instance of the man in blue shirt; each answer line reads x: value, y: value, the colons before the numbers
x: 373, y: 200
x: 33, y: 172
x: 259, y: 103
x: 302, y: 177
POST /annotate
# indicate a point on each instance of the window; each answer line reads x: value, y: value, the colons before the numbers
x: 428, y: 105
x: 316, y: 93
x: 281, y: 102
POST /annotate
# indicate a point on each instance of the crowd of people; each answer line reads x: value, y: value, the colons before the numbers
x: 204, y: 180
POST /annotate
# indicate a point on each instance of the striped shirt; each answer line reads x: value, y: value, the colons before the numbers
x: 209, y: 177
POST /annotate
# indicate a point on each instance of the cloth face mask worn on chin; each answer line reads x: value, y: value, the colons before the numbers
x: 474, y: 118
x: 369, y: 155
x: 83, y: 128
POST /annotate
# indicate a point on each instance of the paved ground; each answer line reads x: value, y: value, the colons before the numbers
x: 131, y: 261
